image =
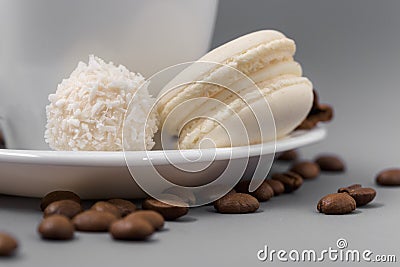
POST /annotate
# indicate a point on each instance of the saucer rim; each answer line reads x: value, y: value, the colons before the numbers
x: 296, y: 139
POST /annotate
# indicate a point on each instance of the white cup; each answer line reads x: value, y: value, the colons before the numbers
x: 42, y: 41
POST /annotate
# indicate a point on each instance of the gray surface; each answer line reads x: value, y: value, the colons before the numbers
x: 350, y: 50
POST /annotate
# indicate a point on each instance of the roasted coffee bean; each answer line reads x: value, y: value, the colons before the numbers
x: 93, y: 221
x: 322, y: 113
x: 330, y: 163
x: 58, y: 195
x: 306, y: 169
x: 346, y: 189
x: 153, y: 217
x: 277, y: 186
x: 125, y: 206
x: 291, y: 181
x: 56, y: 227
x: 288, y: 155
x: 8, y: 244
x: 132, y: 229
x: 336, y: 203
x: 389, y: 177
x: 362, y: 195
x: 168, y: 211
x: 214, y: 192
x: 68, y: 208
x: 263, y: 193
x: 237, y: 203
x: 319, y: 112
x: 106, y: 207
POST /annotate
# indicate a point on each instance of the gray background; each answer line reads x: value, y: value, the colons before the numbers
x: 351, y: 52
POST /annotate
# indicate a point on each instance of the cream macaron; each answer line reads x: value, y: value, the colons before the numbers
x: 247, y: 91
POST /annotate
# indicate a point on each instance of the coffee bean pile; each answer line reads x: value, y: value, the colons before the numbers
x: 240, y: 200
x: 346, y: 200
x: 63, y: 214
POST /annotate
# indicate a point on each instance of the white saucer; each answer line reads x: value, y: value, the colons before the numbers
x: 33, y: 173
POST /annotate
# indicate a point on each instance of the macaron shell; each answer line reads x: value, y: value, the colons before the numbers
x: 243, y: 43
x: 289, y: 106
x: 241, y: 53
x: 222, y: 54
x: 233, y: 134
x: 202, y: 107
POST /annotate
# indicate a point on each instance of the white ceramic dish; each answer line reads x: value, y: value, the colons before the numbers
x: 33, y: 173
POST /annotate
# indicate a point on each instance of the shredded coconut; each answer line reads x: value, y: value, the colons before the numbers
x: 88, y: 109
